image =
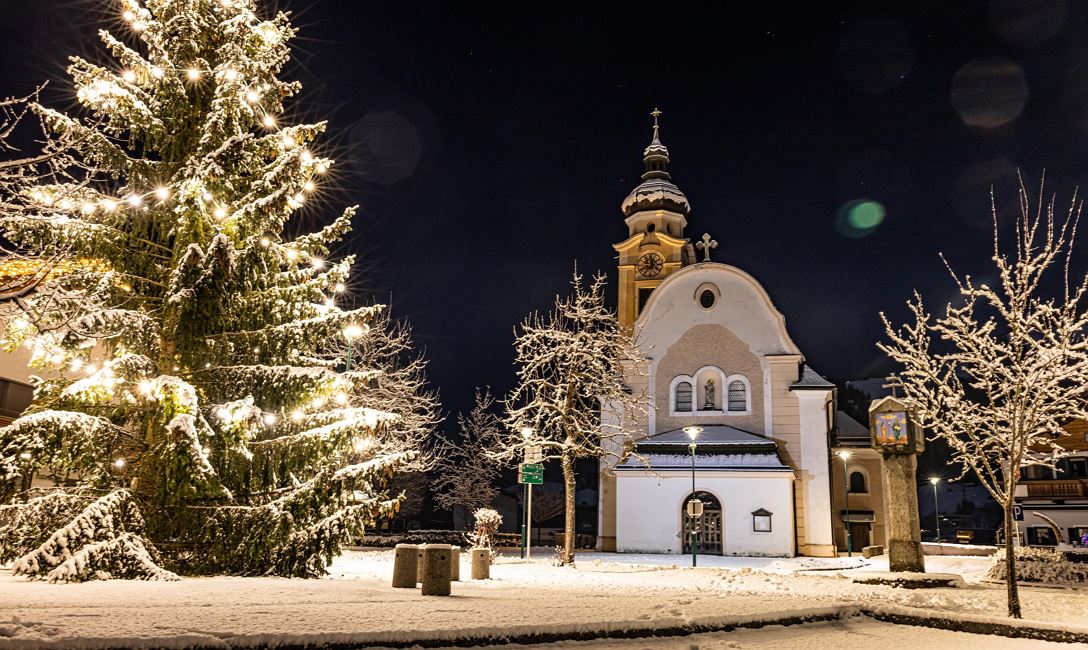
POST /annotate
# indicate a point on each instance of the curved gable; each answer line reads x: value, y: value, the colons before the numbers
x: 742, y: 306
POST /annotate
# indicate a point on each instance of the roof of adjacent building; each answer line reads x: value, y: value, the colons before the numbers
x: 850, y: 432
x: 811, y: 380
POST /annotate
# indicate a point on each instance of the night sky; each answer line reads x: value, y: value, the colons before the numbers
x: 490, y: 147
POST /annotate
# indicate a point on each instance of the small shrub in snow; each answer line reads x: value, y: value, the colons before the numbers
x: 487, y: 525
x: 1042, y: 565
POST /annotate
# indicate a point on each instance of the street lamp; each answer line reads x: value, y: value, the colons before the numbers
x: 693, y: 433
x: 527, y: 498
x: 936, y: 508
x: 351, y: 332
x: 844, y: 455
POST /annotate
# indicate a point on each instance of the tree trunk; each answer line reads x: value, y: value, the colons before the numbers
x: 568, y: 509
x: 1010, y: 561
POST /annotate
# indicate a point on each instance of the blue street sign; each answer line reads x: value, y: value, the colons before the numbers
x: 1018, y: 512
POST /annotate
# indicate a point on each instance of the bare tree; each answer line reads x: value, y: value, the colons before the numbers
x: 392, y: 377
x: 466, y: 473
x: 571, y: 388
x: 547, y: 504
x: 1011, y: 365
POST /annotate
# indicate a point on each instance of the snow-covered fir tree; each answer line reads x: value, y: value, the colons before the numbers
x: 190, y: 411
x: 573, y: 366
x: 1009, y: 366
x: 466, y: 475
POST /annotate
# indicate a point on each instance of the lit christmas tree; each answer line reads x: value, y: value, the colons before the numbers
x: 192, y: 412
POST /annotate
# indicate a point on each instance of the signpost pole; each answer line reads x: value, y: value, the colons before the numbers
x: 529, y: 520
x: 524, y: 518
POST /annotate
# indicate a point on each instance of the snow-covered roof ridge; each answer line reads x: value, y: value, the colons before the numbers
x: 743, y: 462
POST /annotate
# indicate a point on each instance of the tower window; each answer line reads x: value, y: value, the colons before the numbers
x: 707, y: 298
x: 683, y: 396
x: 652, y: 227
x: 738, y: 396
x: 643, y: 296
x: 857, y: 483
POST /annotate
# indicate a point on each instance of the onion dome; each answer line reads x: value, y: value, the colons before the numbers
x: 657, y: 191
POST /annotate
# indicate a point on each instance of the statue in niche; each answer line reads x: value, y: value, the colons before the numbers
x: 708, y: 403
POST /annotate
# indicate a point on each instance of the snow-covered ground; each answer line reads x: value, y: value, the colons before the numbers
x: 605, y: 592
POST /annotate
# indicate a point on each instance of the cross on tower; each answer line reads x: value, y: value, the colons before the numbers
x: 706, y: 246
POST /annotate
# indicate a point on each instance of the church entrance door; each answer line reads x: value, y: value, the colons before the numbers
x: 708, y: 528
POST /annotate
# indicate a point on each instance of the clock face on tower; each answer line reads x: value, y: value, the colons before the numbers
x: 650, y: 265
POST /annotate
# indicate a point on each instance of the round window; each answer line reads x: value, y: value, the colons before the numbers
x: 707, y: 298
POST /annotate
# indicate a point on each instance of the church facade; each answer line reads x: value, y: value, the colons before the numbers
x: 718, y: 364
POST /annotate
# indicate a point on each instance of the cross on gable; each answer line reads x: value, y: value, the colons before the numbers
x: 706, y: 245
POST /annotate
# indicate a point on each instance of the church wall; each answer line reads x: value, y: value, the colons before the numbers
x: 650, y: 511
x: 709, y: 345
x: 786, y: 425
x: 814, y: 472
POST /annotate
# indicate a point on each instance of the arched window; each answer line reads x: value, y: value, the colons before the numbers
x: 857, y: 483
x: 738, y: 396
x: 683, y: 396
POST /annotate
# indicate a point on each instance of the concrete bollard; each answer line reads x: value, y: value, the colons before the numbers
x: 481, y: 564
x: 404, y: 565
x: 436, y: 569
x: 455, y: 563
x: 419, y: 563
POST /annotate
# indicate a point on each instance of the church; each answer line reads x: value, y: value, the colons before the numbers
x: 719, y: 366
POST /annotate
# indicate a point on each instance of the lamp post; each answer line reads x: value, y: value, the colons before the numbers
x: 693, y: 433
x: 844, y: 455
x: 351, y: 332
x: 527, y: 499
x: 936, y: 507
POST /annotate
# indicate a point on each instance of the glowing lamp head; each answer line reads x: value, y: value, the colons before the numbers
x: 268, y: 121
x: 193, y: 74
x: 269, y: 418
x: 162, y: 193
x: 934, y: 480
x: 353, y: 331
x: 843, y: 454
x: 219, y: 213
x: 526, y: 432
x: 119, y: 463
x: 129, y: 76
x: 693, y: 432
x: 339, y: 288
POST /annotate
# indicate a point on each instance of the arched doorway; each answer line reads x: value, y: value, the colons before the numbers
x: 708, y: 528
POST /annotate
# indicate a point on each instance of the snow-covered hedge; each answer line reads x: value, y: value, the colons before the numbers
x: 1042, y: 565
x: 454, y: 537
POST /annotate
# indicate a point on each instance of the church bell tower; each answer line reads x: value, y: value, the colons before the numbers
x: 656, y: 214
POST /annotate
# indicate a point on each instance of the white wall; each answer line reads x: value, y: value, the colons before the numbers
x: 649, y: 509
x: 814, y: 468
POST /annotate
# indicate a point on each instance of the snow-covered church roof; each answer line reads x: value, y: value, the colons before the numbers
x: 719, y: 447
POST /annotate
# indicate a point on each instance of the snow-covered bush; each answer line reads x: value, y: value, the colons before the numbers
x: 1042, y: 565
x: 488, y: 521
